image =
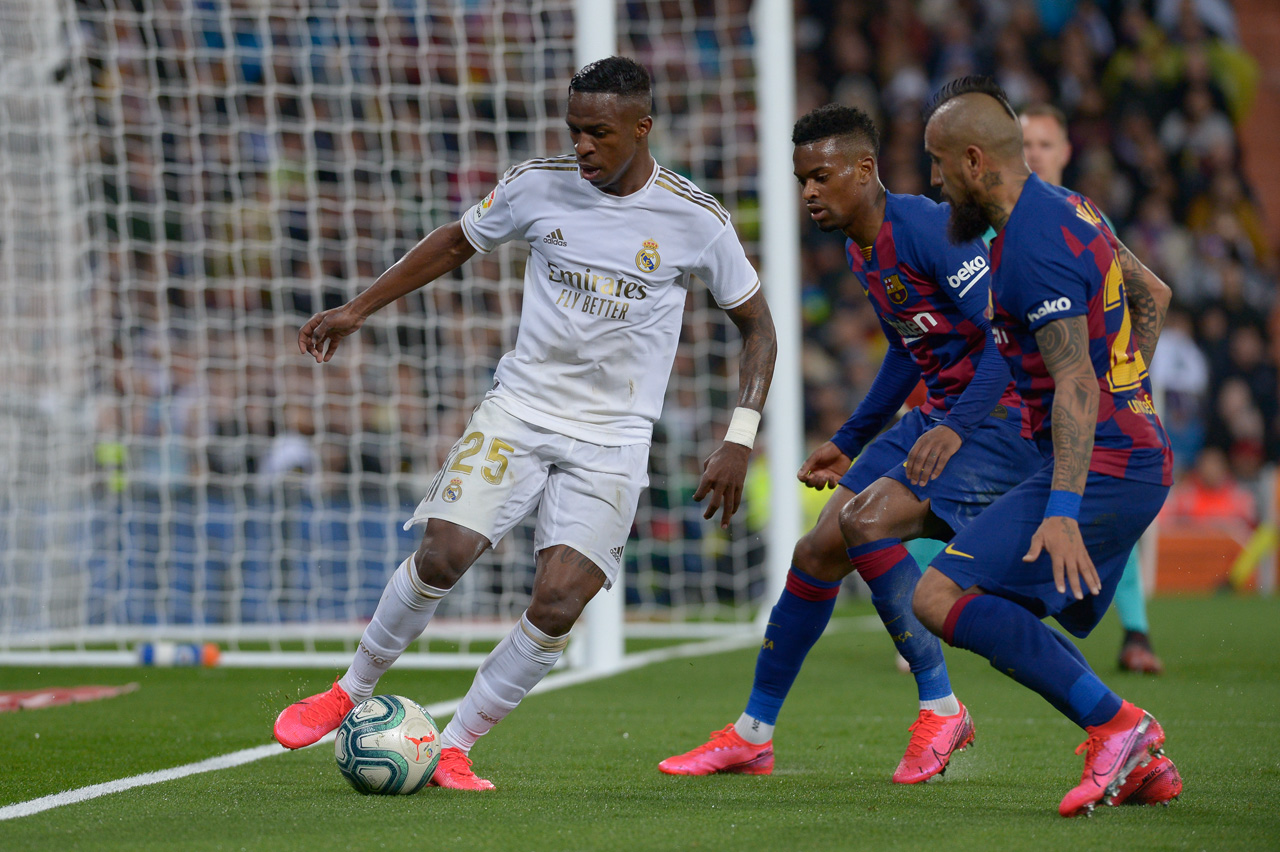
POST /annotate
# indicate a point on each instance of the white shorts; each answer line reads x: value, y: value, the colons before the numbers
x: 504, y: 468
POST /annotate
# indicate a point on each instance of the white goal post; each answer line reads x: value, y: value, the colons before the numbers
x: 182, y: 183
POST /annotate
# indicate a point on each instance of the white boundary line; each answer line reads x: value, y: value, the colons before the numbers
x: 438, y: 710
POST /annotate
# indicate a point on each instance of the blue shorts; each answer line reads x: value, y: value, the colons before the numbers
x: 988, y: 553
x: 992, y: 460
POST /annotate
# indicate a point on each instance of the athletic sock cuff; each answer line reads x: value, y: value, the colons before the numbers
x: 552, y: 644
x: 809, y: 588
x: 419, y: 587
x: 878, y: 557
x: 949, y: 626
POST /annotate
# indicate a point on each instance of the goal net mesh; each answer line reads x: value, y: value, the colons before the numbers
x: 184, y: 182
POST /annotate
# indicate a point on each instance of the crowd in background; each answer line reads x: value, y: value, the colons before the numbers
x: 252, y: 163
x: 1154, y: 95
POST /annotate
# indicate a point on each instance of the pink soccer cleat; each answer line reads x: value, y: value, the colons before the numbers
x: 454, y: 772
x: 724, y: 752
x: 934, y: 739
x: 308, y: 720
x: 1111, y: 753
x: 1157, y: 783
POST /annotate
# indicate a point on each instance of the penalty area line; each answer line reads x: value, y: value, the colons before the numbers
x: 438, y: 710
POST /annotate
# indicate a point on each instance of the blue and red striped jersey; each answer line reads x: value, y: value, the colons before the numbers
x: 931, y: 297
x: 1056, y: 258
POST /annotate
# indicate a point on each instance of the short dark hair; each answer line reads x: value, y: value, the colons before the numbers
x: 1046, y: 111
x: 614, y: 75
x: 972, y: 84
x: 836, y: 120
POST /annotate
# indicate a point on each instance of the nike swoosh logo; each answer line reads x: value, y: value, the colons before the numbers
x: 951, y: 550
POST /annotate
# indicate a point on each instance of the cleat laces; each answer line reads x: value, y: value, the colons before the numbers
x: 716, y: 740
x: 455, y: 757
x: 323, y: 708
x: 923, y: 730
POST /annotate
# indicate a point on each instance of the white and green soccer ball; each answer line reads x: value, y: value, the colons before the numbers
x: 388, y: 745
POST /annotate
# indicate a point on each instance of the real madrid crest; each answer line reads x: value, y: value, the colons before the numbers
x: 453, y: 491
x: 895, y: 290
x: 648, y: 259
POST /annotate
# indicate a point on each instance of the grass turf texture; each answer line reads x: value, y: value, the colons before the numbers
x: 576, y: 769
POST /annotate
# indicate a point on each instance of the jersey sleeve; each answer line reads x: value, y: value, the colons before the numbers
x: 897, y: 377
x: 963, y: 272
x: 723, y: 265
x: 1055, y: 289
x: 491, y: 222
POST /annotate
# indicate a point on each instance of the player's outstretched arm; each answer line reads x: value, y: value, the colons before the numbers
x: 442, y: 251
x: 1148, y: 299
x: 1064, y: 345
x: 725, y: 471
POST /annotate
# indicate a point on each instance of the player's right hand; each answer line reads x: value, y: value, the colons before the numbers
x: 824, y: 467
x: 1072, y: 565
x: 321, y: 335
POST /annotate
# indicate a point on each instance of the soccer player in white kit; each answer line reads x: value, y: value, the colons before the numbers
x: 566, y: 428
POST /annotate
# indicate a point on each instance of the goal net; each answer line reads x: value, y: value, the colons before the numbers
x: 183, y: 183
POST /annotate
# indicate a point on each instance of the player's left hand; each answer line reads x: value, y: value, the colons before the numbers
x: 931, y: 453
x: 722, y: 477
x: 1060, y: 538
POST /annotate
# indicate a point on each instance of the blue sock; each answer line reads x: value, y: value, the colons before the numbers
x: 892, y: 574
x: 1129, y: 601
x: 796, y: 622
x: 1017, y: 644
x: 1072, y: 648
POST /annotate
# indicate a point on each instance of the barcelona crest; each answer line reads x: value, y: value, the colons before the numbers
x: 895, y: 290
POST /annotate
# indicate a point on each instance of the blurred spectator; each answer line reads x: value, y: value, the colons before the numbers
x: 1209, y: 495
x: 1181, y: 371
x: 251, y: 166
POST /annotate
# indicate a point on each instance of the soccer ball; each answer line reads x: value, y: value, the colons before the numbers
x: 388, y: 745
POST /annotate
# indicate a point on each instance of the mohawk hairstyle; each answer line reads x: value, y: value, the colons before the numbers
x: 973, y: 84
x: 615, y: 75
x: 836, y: 120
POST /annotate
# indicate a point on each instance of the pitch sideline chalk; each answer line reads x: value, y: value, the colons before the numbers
x: 438, y: 710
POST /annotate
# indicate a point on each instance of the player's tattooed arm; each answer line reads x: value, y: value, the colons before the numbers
x: 1148, y: 299
x: 759, y: 350
x: 1064, y: 345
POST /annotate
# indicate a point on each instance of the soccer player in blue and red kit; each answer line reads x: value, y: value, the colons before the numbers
x: 1077, y: 318
x: 928, y: 476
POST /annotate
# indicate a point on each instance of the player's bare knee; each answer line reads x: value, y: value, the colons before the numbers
x: 821, y: 563
x: 555, y: 609
x: 859, y: 525
x: 437, y: 562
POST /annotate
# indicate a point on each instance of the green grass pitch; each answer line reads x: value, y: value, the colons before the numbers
x: 576, y: 768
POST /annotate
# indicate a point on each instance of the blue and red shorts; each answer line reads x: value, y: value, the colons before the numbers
x: 988, y: 552
x: 992, y: 460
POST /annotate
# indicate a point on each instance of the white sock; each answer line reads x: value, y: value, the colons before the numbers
x: 948, y: 706
x: 406, y: 607
x: 513, y: 668
x: 753, y: 730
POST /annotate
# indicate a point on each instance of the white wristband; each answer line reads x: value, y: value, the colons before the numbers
x: 743, y: 426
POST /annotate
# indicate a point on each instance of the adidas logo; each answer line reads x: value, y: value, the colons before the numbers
x: 617, y: 554
x: 555, y: 238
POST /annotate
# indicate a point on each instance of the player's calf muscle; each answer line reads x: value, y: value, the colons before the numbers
x: 935, y: 595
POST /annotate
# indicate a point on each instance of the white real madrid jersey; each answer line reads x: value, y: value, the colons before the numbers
x: 604, y: 290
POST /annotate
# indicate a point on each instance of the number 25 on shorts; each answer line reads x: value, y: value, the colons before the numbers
x: 496, y: 463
